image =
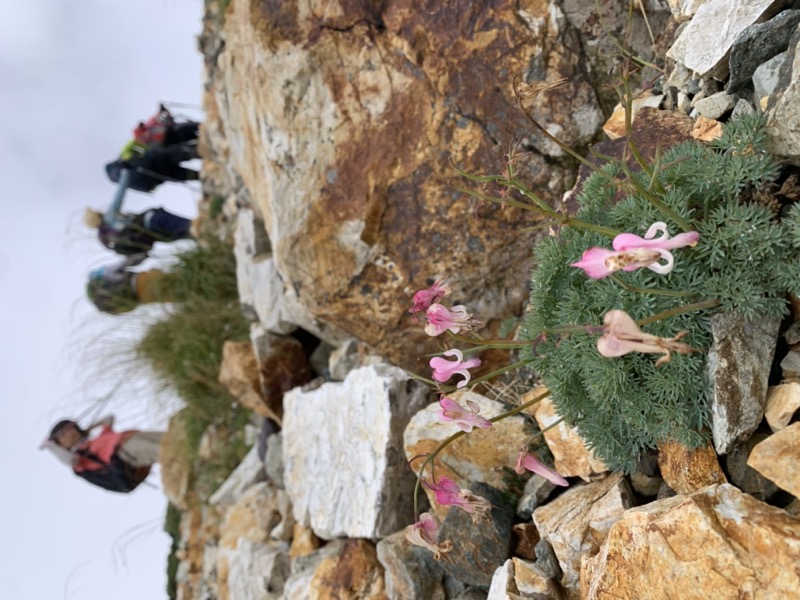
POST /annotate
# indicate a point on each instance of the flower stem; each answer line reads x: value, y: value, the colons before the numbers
x: 678, y: 311
x: 420, y: 378
x: 447, y: 441
x: 545, y: 212
x: 489, y: 343
x: 500, y: 371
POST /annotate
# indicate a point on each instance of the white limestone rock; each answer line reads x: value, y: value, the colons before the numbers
x: 249, y: 472
x: 262, y: 291
x: 738, y: 368
x: 704, y: 44
x: 344, y: 467
x: 716, y: 105
x: 501, y: 587
x: 683, y: 10
x: 250, y: 234
x: 517, y: 579
x: 257, y: 571
x: 577, y: 522
x: 783, y: 120
x: 765, y: 77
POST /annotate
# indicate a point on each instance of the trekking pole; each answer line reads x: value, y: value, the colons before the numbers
x: 182, y: 105
x: 97, y: 405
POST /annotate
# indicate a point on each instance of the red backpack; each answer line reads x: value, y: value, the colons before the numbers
x: 151, y: 133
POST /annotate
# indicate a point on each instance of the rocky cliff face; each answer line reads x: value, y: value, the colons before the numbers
x: 333, y: 127
x: 344, y: 120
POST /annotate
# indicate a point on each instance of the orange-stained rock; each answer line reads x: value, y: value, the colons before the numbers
x: 344, y: 120
x: 716, y: 543
x: 478, y: 456
x: 706, y: 130
x: 572, y: 457
x: 257, y: 515
x: 577, y: 522
x: 303, y: 541
x: 532, y: 583
x: 778, y: 459
x: 782, y: 403
x: 198, y: 537
x: 176, y: 468
x: 239, y: 374
x: 355, y: 574
x: 614, y: 127
x: 686, y: 471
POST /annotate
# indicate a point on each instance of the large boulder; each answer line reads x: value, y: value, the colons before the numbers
x: 344, y: 119
x: 343, y: 453
x: 577, y: 522
x: 716, y: 543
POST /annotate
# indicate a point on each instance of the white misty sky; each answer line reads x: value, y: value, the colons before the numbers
x: 77, y: 75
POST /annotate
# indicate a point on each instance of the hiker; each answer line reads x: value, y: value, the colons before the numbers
x: 156, y: 152
x: 163, y: 130
x: 115, y: 461
x: 116, y: 289
x: 128, y: 233
x: 150, y: 168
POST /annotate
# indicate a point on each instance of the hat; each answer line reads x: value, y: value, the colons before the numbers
x: 92, y: 218
x: 60, y: 426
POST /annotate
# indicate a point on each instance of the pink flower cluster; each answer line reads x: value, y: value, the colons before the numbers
x: 621, y: 335
x: 438, y: 317
x: 632, y: 252
x: 446, y: 492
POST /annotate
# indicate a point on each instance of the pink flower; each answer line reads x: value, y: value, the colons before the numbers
x: 629, y: 241
x: 632, y: 252
x: 424, y: 298
x: 449, y: 494
x: 425, y: 533
x: 621, y: 335
x: 444, y: 369
x: 528, y: 462
x: 465, y: 419
x: 599, y: 262
x: 440, y: 319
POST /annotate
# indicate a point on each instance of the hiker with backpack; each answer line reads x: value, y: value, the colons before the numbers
x: 116, y: 288
x: 155, y: 153
x: 128, y: 233
x: 114, y: 461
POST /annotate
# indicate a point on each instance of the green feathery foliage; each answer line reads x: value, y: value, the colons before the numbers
x: 745, y: 258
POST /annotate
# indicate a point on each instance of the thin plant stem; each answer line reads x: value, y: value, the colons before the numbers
x: 562, y: 219
x: 449, y: 440
x: 499, y: 371
x: 420, y: 378
x: 678, y: 311
x: 484, y: 343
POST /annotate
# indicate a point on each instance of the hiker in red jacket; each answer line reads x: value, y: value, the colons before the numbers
x: 115, y: 461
